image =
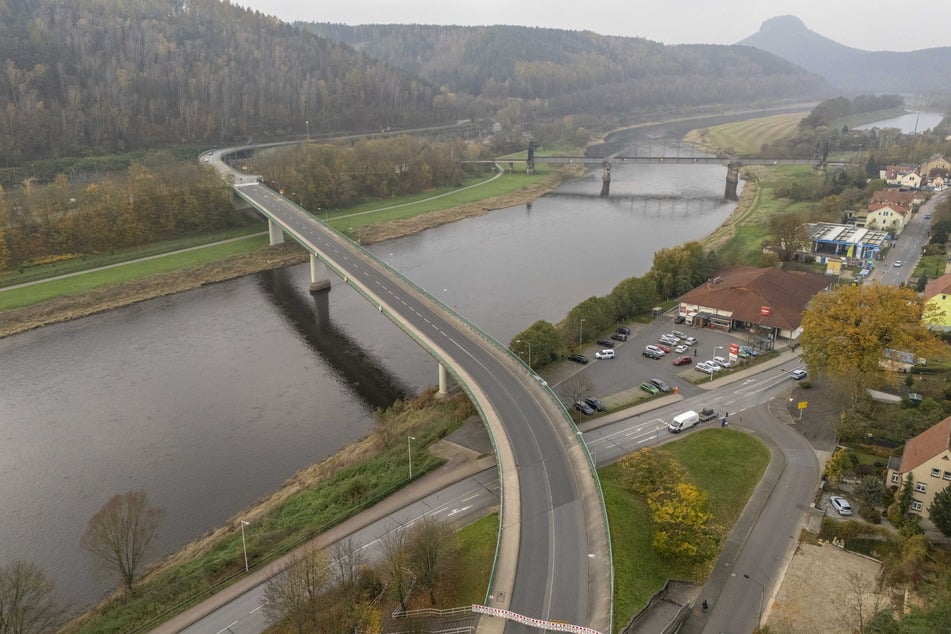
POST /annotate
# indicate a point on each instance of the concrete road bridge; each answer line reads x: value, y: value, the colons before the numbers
x: 553, y: 557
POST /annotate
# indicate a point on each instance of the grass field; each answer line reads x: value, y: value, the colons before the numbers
x: 747, y: 137
x: 724, y: 463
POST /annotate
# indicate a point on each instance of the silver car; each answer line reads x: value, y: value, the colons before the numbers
x: 841, y: 505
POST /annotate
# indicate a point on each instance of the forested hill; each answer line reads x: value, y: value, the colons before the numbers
x: 85, y: 76
x: 580, y: 71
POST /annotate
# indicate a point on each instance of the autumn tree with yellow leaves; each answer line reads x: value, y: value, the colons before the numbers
x: 845, y: 333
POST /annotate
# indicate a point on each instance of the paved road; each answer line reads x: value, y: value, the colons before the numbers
x: 908, y: 247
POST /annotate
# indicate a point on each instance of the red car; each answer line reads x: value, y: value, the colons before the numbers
x: 663, y: 347
x: 682, y: 360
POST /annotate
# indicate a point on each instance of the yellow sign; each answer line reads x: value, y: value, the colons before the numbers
x: 803, y: 404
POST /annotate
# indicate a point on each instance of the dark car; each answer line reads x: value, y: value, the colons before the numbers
x: 578, y: 358
x: 619, y: 336
x: 707, y: 413
x: 679, y: 319
x: 595, y: 404
x: 607, y: 343
x: 683, y: 361
x: 624, y: 330
x: 584, y: 408
x: 662, y: 386
x: 651, y: 354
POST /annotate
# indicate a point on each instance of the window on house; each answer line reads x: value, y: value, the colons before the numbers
x: 896, y: 479
x: 936, y: 473
x: 921, y: 487
x: 947, y: 475
x: 915, y: 505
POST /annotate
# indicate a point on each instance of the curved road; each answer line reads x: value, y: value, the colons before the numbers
x: 552, y: 524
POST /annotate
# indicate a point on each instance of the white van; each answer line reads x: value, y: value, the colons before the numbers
x: 604, y: 354
x: 683, y: 421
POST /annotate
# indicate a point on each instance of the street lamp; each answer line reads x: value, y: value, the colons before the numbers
x: 712, y: 361
x: 529, y: 344
x: 409, y: 452
x: 307, y: 123
x: 581, y: 331
x: 244, y: 544
x: 762, y: 596
x: 588, y: 448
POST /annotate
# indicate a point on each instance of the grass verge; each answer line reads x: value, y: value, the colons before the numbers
x: 725, y: 464
x: 477, y: 548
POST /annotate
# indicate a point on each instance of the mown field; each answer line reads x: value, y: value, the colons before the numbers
x: 747, y: 137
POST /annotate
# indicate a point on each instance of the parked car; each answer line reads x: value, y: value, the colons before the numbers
x: 662, y: 386
x: 663, y: 346
x: 798, y: 374
x: 669, y: 339
x: 595, y: 404
x: 619, y: 336
x: 897, y: 263
x: 584, y: 408
x: 705, y: 367
x: 607, y: 343
x: 750, y: 350
x: 679, y: 319
x: 604, y: 354
x: 722, y: 362
x: 649, y: 387
x: 578, y: 358
x: 678, y: 334
x: 624, y: 330
x: 680, y: 349
x: 656, y: 349
x: 690, y: 341
x: 652, y: 354
x: 683, y: 361
x: 707, y: 413
x: 841, y: 505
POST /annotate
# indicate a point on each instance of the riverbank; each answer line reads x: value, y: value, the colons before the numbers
x: 68, y: 308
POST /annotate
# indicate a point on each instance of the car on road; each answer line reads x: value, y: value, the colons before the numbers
x: 578, y: 358
x: 649, y: 387
x: 798, y: 374
x: 705, y: 367
x: 707, y: 413
x: 661, y: 385
x: 624, y: 330
x: 683, y: 361
x: 604, y: 354
x: 897, y: 263
x: 607, y: 343
x: 690, y: 341
x: 652, y: 354
x: 595, y: 404
x: 656, y: 349
x: 663, y: 347
x: 584, y: 408
x: 680, y: 349
x: 841, y: 505
x: 927, y: 216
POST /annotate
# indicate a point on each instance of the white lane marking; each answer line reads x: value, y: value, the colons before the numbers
x: 454, y: 511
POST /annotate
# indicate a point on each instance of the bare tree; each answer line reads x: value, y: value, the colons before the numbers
x: 26, y: 600
x: 348, y: 563
x: 120, y: 533
x: 395, y: 564
x: 575, y: 387
x: 294, y: 595
x: 432, y: 548
x: 862, y: 600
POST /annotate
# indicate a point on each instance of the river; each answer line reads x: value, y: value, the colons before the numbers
x: 908, y: 123
x: 212, y: 398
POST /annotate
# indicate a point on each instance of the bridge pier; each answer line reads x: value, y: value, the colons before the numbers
x: 319, y: 277
x: 605, y: 178
x: 732, y: 180
x: 444, y: 380
x: 275, y: 233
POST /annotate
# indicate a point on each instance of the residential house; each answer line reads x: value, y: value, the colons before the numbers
x: 767, y: 301
x: 903, y: 175
x: 936, y: 164
x: 937, y: 296
x: 927, y: 457
x: 885, y: 217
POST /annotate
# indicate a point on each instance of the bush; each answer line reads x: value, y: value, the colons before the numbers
x: 869, y: 513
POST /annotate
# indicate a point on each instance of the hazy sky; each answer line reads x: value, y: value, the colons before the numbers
x: 861, y: 24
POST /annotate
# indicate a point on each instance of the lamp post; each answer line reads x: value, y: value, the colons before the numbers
x: 581, y: 331
x: 529, y: 344
x: 712, y: 361
x: 409, y: 452
x: 588, y: 448
x: 762, y: 596
x: 244, y: 544
x: 307, y: 123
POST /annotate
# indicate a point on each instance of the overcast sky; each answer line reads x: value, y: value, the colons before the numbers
x: 863, y: 24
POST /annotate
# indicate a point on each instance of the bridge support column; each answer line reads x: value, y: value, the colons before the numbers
x: 444, y: 380
x: 319, y: 279
x: 275, y: 233
x: 605, y: 179
x: 732, y: 180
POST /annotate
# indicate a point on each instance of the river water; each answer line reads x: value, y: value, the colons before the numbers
x: 212, y: 398
x: 908, y: 123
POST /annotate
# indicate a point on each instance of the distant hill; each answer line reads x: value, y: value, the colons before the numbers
x: 579, y: 71
x: 850, y: 69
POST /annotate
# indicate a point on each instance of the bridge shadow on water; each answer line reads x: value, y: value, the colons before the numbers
x: 309, y: 314
x: 681, y: 205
